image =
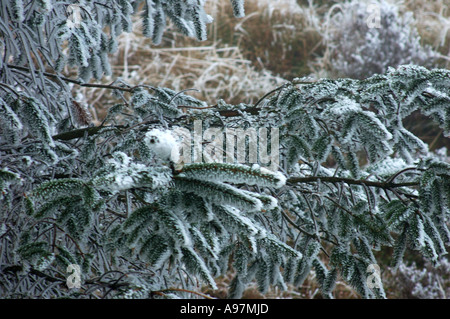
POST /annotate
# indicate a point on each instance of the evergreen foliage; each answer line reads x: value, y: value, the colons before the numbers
x: 109, y: 198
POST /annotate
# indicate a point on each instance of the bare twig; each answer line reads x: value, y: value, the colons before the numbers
x: 350, y: 181
x: 80, y: 83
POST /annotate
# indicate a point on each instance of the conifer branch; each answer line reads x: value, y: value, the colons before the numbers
x: 69, y: 80
x: 87, y: 131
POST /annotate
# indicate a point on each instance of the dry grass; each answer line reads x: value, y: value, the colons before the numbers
x: 308, y: 290
x: 433, y: 23
x: 217, y: 71
x: 279, y: 36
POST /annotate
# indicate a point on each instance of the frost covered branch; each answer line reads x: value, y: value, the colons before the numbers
x: 145, y: 213
x: 350, y: 181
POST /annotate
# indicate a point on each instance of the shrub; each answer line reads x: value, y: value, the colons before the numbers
x: 360, y: 44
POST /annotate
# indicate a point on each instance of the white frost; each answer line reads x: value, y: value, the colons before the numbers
x: 163, y: 144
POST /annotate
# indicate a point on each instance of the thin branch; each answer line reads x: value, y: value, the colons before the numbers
x: 289, y: 220
x: 390, y: 179
x: 182, y: 290
x: 179, y: 93
x: 311, y: 211
x: 10, y: 89
x: 226, y: 113
x: 66, y: 136
x: 231, y: 113
x: 269, y: 93
x: 280, y: 88
x: 350, y: 181
x: 80, y: 83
